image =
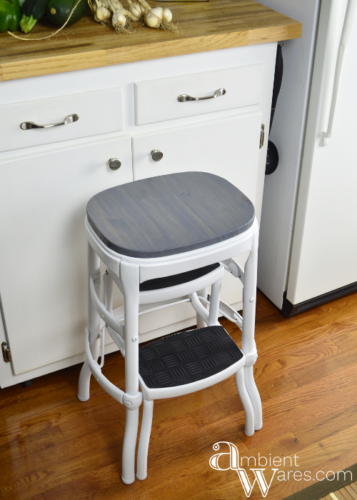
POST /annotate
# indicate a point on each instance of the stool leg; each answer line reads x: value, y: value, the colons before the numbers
x: 93, y: 326
x: 129, y: 445
x: 129, y: 275
x: 247, y: 404
x: 145, y: 439
x: 248, y: 329
x: 200, y: 321
x: 254, y: 396
x: 108, y: 292
x: 85, y: 375
x: 214, y: 303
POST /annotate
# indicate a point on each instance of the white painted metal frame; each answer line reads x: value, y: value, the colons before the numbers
x: 128, y: 273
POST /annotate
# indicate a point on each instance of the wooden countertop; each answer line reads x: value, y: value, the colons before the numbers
x: 217, y: 24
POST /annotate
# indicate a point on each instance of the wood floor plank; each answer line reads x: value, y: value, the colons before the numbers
x: 29, y: 445
x: 347, y: 340
x: 70, y: 459
x: 322, y: 368
x: 351, y: 491
x: 300, y: 358
x: 347, y: 494
x: 319, y: 324
x: 336, y: 381
x: 332, y: 447
x: 32, y: 403
x: 84, y: 486
x: 19, y: 425
x: 265, y: 308
x: 336, y: 465
x: 89, y: 416
x: 276, y: 386
x: 325, y: 427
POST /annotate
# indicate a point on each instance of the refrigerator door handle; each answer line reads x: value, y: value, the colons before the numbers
x: 350, y: 16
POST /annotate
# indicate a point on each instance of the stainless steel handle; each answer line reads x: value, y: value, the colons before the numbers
x: 68, y: 119
x: 114, y: 163
x: 186, y: 97
x: 156, y: 155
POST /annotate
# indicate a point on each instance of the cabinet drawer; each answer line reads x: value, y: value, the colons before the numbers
x: 98, y: 112
x: 157, y: 100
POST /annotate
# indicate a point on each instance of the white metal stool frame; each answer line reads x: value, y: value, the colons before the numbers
x: 128, y: 272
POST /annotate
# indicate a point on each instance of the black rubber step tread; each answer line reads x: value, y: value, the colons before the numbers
x: 186, y: 357
x: 176, y: 279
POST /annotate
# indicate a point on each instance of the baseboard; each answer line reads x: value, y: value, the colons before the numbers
x: 288, y: 310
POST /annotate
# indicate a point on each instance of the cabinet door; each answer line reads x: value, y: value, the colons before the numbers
x: 43, y: 250
x: 228, y: 148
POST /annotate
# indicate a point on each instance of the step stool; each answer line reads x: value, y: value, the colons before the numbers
x: 164, y: 241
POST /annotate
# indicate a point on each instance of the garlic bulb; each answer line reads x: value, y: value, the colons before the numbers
x: 136, y: 10
x: 101, y: 13
x: 152, y: 21
x: 158, y: 12
x: 167, y: 15
x: 119, y: 19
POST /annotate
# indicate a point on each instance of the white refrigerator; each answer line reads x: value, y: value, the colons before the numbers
x: 308, y: 236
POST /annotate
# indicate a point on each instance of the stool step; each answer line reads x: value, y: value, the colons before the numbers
x: 176, y: 279
x: 186, y: 357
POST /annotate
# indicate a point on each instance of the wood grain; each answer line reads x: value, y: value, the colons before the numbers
x: 54, y: 448
x: 218, y: 24
x: 156, y: 214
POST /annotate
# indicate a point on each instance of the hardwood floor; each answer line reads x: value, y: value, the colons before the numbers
x: 52, y: 447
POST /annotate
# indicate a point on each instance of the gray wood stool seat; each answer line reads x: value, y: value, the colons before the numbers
x: 169, y: 214
x: 165, y: 240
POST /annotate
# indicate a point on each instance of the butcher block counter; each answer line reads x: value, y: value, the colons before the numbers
x: 115, y: 98
x: 206, y: 26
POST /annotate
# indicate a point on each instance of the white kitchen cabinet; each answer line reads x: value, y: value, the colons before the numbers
x: 43, y: 246
x: 45, y: 185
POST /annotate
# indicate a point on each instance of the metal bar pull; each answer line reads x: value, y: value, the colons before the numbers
x: 345, y: 40
x: 186, y: 97
x: 68, y: 119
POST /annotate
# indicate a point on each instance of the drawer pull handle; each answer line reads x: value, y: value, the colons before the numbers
x: 68, y: 119
x: 186, y: 97
x: 157, y: 155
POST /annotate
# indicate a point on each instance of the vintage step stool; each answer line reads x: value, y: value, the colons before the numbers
x: 164, y: 240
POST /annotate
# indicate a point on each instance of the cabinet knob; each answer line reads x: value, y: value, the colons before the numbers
x: 114, y: 164
x: 156, y: 155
